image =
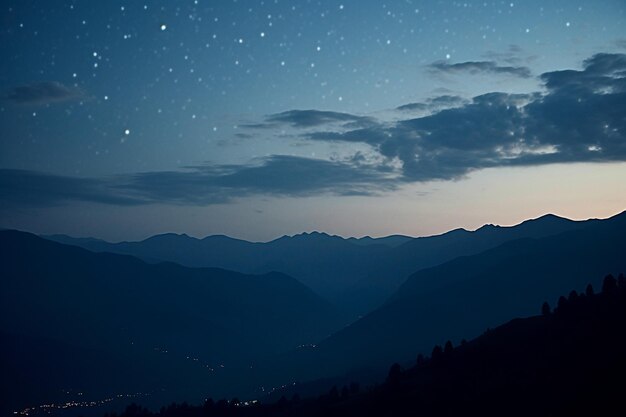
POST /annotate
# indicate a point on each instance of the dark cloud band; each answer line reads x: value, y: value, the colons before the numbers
x: 43, y: 93
x: 480, y: 67
x: 201, y: 185
x: 311, y: 118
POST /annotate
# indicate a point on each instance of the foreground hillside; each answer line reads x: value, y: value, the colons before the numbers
x: 568, y: 362
x: 105, y: 323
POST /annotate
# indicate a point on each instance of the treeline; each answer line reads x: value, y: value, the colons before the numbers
x: 569, y: 360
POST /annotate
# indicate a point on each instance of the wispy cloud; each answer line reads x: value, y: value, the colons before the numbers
x: 30, y: 188
x: 278, y: 175
x: 512, y: 55
x: 45, y: 92
x: 479, y: 67
x: 310, y: 118
x: 435, y: 103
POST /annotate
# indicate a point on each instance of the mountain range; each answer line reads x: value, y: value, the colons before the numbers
x: 154, y: 317
x: 357, y: 275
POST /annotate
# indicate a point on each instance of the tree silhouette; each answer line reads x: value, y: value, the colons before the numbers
x: 573, y: 295
x: 609, y: 284
x: 589, y: 290
x: 621, y: 281
x: 333, y: 394
x: 134, y: 410
x: 420, y: 360
x: 207, y: 407
x: 355, y: 388
x: 545, y: 309
x: 221, y: 405
x: 394, y: 374
x: 283, y: 401
x: 437, y: 353
x: 448, y: 348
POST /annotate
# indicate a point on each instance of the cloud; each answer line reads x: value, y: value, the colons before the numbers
x: 512, y: 55
x: 30, y: 188
x: 479, y: 67
x: 43, y: 93
x: 243, y: 136
x: 413, y: 107
x: 310, y: 118
x: 435, y: 103
x: 579, y: 118
x: 278, y: 175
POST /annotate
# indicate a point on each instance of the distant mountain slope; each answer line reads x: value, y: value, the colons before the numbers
x: 569, y: 362
x: 460, y: 298
x: 425, y: 252
x: 356, y: 274
x: 391, y: 269
x: 327, y: 264
x: 121, y: 305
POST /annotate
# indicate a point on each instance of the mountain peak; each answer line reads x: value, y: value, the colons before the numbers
x: 222, y: 238
x: 545, y: 219
x: 169, y: 236
x: 313, y: 233
x: 549, y: 217
x: 489, y: 226
x: 316, y: 233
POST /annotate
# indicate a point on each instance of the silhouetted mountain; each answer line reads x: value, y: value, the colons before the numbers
x: 459, y: 298
x: 569, y: 362
x: 392, y: 240
x: 356, y: 274
x: 159, y: 315
x: 327, y: 264
x: 425, y: 252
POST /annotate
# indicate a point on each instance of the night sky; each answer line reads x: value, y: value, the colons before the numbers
x: 122, y: 119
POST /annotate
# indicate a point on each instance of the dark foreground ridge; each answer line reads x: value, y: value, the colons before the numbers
x: 565, y: 362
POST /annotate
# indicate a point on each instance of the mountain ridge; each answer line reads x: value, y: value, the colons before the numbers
x: 356, y: 275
